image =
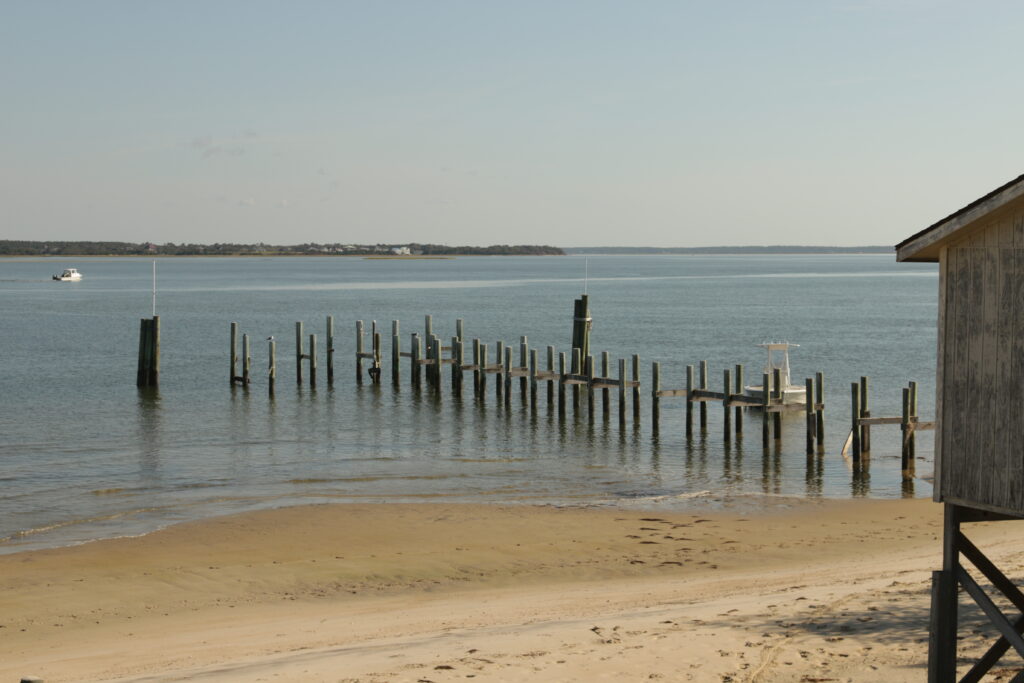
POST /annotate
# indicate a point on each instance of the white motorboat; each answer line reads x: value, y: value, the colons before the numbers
x: 778, y: 359
x: 69, y: 275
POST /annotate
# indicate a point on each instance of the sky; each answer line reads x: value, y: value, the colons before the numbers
x: 477, y: 122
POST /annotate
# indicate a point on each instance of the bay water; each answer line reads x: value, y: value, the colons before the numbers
x: 84, y: 454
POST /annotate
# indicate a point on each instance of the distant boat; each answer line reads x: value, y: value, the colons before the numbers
x: 778, y: 359
x: 69, y: 275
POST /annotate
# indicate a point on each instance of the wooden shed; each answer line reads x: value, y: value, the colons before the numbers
x: 979, y: 443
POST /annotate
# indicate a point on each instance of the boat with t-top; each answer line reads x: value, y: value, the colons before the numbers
x: 778, y: 359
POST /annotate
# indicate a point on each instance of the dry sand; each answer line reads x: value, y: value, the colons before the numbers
x: 832, y: 591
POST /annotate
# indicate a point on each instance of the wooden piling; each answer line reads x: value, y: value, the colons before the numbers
x: 905, y: 434
x: 299, y: 356
x: 329, y: 351
x: 271, y: 365
x: 148, y: 369
x: 438, y: 357
x: 855, y: 419
x: 428, y: 327
x: 779, y: 400
x: 533, y: 379
x: 507, y: 371
x: 476, y: 366
x: 655, y: 397
x: 499, y: 377
x: 726, y: 405
x: 636, y: 388
x: 246, y: 360
x: 622, y: 391
x: 416, y: 351
x: 605, y: 392
x: 819, y: 408
x: 396, y: 353
x: 689, y: 400
x: 704, y: 386
x: 912, y: 441
x: 765, y: 403
x: 865, y: 430
x: 524, y: 358
x: 581, y: 323
x: 576, y: 370
x: 483, y: 373
x: 561, y: 383
x: 551, y: 371
x: 459, y: 330
x: 312, y: 360
x: 456, y: 364
x: 359, y: 351
x: 234, y: 352
x: 739, y: 390
x: 588, y: 370
x: 810, y: 414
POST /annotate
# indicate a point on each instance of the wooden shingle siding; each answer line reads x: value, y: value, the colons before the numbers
x: 981, y: 398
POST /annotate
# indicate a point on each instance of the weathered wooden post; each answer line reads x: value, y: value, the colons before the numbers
x: 312, y: 360
x: 148, y: 371
x: 533, y: 379
x: 689, y: 400
x: 655, y: 395
x: 726, y: 404
x: 376, y: 355
x: 905, y: 432
x: 576, y: 371
x: 396, y: 353
x: 622, y: 391
x: 416, y: 350
x: 865, y: 430
x: 438, y: 361
x: 428, y: 327
x: 500, y: 376
x: 809, y: 414
x: 234, y: 352
x: 459, y: 329
x: 246, y: 361
x: 636, y: 388
x: 507, y: 371
x: 483, y: 370
x: 456, y: 365
x: 766, y: 402
x: 359, y: 351
x: 330, y: 350
x: 588, y: 368
x: 605, y: 371
x: 819, y: 408
x: 703, y: 404
x: 855, y: 419
x: 561, y: 383
x: 271, y: 364
x: 779, y: 400
x: 551, y: 372
x: 912, y: 451
x: 739, y: 390
x: 581, y: 323
x: 300, y: 356
x: 524, y: 357
x: 477, y: 371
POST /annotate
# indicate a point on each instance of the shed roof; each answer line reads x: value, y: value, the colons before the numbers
x: 925, y: 245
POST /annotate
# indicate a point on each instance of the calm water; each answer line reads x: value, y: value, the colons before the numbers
x: 84, y: 454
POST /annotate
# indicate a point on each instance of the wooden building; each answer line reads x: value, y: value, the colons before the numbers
x: 979, y: 443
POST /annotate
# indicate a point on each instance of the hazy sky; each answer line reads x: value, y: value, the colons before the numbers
x: 481, y: 122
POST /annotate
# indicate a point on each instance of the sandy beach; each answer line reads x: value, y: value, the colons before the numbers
x: 820, y: 591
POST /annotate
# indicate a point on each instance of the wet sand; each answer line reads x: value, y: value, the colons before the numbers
x: 825, y: 591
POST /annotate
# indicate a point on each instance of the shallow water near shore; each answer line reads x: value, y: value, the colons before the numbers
x: 86, y: 455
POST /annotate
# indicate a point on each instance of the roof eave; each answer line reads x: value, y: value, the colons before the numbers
x: 925, y: 245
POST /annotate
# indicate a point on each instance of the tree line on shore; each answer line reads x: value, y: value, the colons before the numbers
x: 88, y: 248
